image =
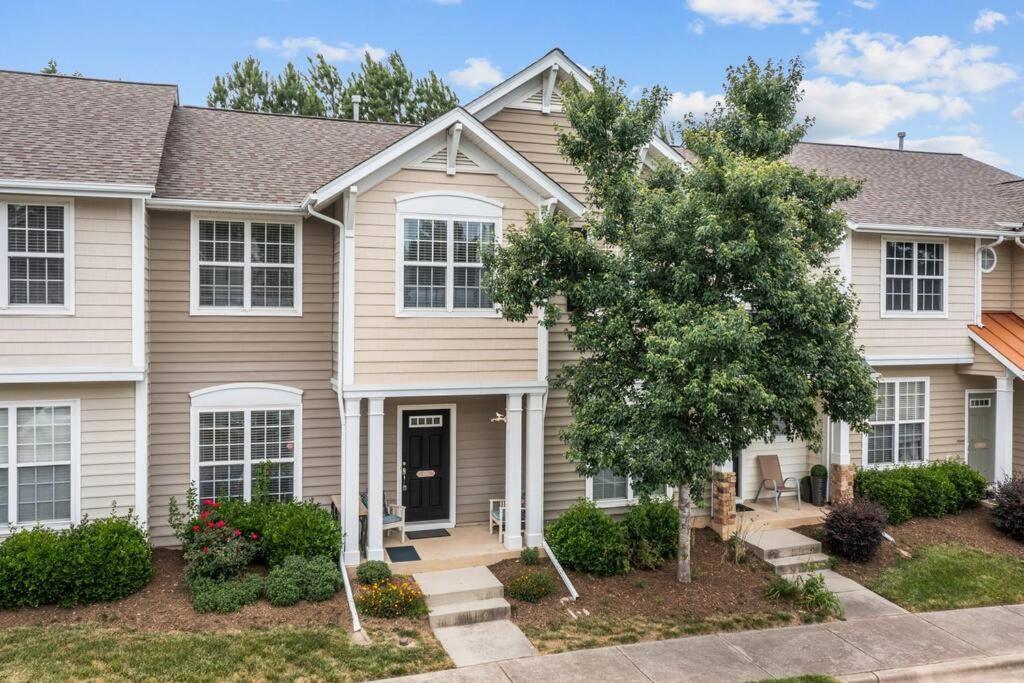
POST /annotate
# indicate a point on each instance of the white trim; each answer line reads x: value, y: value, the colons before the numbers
x: 138, y: 283
x: 73, y: 188
x: 70, y: 275
x: 375, y: 479
x: 534, y: 470
x: 489, y: 103
x: 452, y: 151
x: 977, y: 281
x: 172, y: 204
x: 896, y: 436
x: 73, y: 374
x: 926, y: 230
x: 915, y: 278
x: 142, y: 452
x: 1018, y: 372
x: 914, y: 359
x: 349, y: 513
x: 347, y: 282
x: 246, y: 393
x: 444, y: 202
x: 75, y: 462
x: 967, y: 421
x: 455, y: 389
x: 247, y: 265
x: 513, y: 530
x: 431, y: 523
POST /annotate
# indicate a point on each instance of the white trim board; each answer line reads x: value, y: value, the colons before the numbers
x: 928, y: 230
x: 74, y: 374
x: 911, y: 359
x: 73, y: 188
x: 358, y: 391
x: 439, y: 523
x: 171, y: 204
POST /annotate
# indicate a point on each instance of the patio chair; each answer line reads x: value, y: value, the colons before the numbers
x: 773, y: 481
x: 394, y: 515
x: 496, y: 517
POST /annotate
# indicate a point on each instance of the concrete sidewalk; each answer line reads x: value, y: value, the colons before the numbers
x: 989, y: 640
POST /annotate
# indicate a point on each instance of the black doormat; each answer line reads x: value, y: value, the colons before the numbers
x: 740, y: 507
x: 403, y: 553
x: 427, y: 533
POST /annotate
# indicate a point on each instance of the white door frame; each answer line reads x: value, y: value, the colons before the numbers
x: 967, y: 420
x: 439, y: 523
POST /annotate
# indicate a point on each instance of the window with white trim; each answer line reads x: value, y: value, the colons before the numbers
x: 37, y: 456
x: 899, y: 426
x: 442, y: 263
x: 915, y: 277
x: 36, y: 241
x: 233, y: 444
x: 242, y: 266
x: 608, y: 489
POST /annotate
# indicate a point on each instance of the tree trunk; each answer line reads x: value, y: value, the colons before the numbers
x: 683, y: 554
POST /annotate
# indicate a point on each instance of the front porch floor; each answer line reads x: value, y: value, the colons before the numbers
x: 763, y: 515
x: 469, y: 545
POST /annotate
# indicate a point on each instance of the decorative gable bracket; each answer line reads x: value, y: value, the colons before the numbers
x: 454, y: 135
x: 550, y: 79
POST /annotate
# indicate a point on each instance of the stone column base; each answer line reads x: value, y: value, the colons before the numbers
x: 723, y: 511
x: 842, y: 482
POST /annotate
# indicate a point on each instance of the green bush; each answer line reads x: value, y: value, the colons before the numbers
x: 529, y: 556
x: 318, y: 577
x: 934, y: 494
x: 891, y: 489
x: 969, y: 483
x: 283, y: 587
x: 932, y: 490
x: 531, y: 586
x: 373, y: 571
x: 819, y: 470
x: 652, y: 532
x: 299, y: 528
x: 587, y: 539
x: 391, y: 599
x: 96, y: 561
x: 210, y: 595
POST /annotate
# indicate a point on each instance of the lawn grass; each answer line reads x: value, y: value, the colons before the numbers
x: 952, y: 576
x: 814, y: 678
x: 277, y: 654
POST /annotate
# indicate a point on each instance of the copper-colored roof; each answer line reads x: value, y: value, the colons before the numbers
x: 1004, y: 332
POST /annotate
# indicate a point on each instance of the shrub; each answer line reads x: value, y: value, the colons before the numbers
x: 781, y: 588
x: 891, y: 489
x: 854, y: 529
x: 970, y: 484
x: 283, y: 587
x: 1008, y: 513
x: 530, y: 556
x: 817, y: 598
x: 819, y: 470
x: 652, y: 532
x: 931, y: 490
x: 531, y: 586
x: 299, y: 528
x: 106, y: 559
x: 210, y: 595
x: 373, y: 571
x: 588, y: 539
x: 391, y: 599
x: 934, y: 494
x: 318, y: 577
x: 32, y: 569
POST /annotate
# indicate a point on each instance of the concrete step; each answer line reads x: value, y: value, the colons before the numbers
x: 474, y: 612
x: 798, y: 564
x: 456, y: 586
x: 772, y: 544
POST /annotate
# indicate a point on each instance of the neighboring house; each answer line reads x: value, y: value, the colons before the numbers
x: 188, y: 293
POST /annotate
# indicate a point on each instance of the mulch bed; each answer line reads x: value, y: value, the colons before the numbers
x: 163, y: 605
x: 972, y: 528
x: 720, y: 588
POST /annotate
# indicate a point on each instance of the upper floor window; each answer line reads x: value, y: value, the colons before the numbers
x: 915, y: 277
x: 899, y: 427
x: 442, y: 238
x: 37, y: 273
x: 246, y: 267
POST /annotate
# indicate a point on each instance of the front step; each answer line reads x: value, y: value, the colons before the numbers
x: 798, y: 564
x: 462, y: 613
x: 454, y: 586
x: 771, y: 544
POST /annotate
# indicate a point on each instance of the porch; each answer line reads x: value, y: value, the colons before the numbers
x: 465, y: 545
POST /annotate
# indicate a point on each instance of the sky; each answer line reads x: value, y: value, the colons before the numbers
x: 945, y: 71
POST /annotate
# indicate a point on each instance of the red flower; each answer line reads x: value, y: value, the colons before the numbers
x: 205, y: 549
x: 220, y: 523
x: 204, y: 514
x: 195, y: 528
x: 208, y: 501
x: 209, y: 524
x: 254, y: 535
x: 215, y: 504
x: 238, y: 532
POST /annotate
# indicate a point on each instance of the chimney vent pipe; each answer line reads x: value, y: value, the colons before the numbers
x: 357, y: 99
x: 901, y: 135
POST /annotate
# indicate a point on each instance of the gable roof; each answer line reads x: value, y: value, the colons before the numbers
x: 77, y: 130
x: 1001, y: 333
x: 232, y: 156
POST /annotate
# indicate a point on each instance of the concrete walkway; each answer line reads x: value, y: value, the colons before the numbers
x: 986, y: 643
x: 858, y: 602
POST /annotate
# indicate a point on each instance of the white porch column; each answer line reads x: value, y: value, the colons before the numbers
x: 350, y: 482
x: 375, y: 481
x: 1004, y: 428
x: 513, y: 471
x: 841, y: 443
x: 534, y: 470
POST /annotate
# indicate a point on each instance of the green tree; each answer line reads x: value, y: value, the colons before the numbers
x: 246, y: 87
x: 51, y: 69
x: 704, y: 308
x: 292, y: 93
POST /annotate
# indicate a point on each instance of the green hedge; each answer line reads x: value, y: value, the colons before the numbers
x: 932, y: 490
x: 288, y: 528
x: 587, y: 539
x: 652, y: 532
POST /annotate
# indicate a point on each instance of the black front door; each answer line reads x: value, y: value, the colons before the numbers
x: 425, y: 462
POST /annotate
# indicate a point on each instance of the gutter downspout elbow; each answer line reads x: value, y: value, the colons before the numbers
x: 307, y: 206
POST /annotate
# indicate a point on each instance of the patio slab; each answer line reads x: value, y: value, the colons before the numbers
x: 902, y: 641
x: 583, y: 666
x: 801, y: 650
x: 996, y: 630
x: 701, y: 659
x: 864, y: 604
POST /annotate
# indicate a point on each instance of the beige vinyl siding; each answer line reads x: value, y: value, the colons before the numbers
x: 99, y: 334
x: 1017, y: 281
x: 1018, y: 427
x: 190, y: 353
x: 997, y: 286
x: 946, y: 406
x: 107, y: 438
x: 445, y: 348
x: 535, y: 136
x: 917, y: 335
x: 479, y: 451
x: 562, y: 485
x: 984, y: 365
x: 793, y: 459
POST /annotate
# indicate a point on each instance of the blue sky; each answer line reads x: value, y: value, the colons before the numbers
x: 949, y: 73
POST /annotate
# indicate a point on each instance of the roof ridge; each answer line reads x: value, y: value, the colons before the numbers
x: 881, y: 149
x: 90, y: 78
x: 297, y: 116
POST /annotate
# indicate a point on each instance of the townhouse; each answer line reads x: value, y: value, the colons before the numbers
x: 188, y: 293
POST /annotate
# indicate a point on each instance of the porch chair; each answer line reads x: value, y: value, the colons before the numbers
x: 771, y: 474
x: 394, y: 515
x: 496, y: 517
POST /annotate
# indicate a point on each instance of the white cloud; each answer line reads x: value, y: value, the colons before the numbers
x: 857, y: 109
x: 988, y: 20
x: 343, y: 52
x: 478, y: 72
x: 697, y: 102
x: 1018, y: 112
x: 865, y: 4
x: 757, y: 13
x: 696, y: 26
x: 930, y: 62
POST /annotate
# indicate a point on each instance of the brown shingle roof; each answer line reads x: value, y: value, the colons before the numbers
x: 82, y: 130
x: 231, y: 156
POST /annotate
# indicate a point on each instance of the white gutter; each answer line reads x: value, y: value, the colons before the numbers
x: 356, y: 626
x: 65, y: 187
x: 208, y: 205
x: 561, y: 572
x: 931, y: 230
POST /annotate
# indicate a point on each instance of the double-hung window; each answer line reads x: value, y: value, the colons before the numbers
x: 38, y: 461
x: 914, y: 277
x: 608, y: 489
x: 899, y: 426
x: 36, y: 266
x: 442, y: 264
x: 246, y: 267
